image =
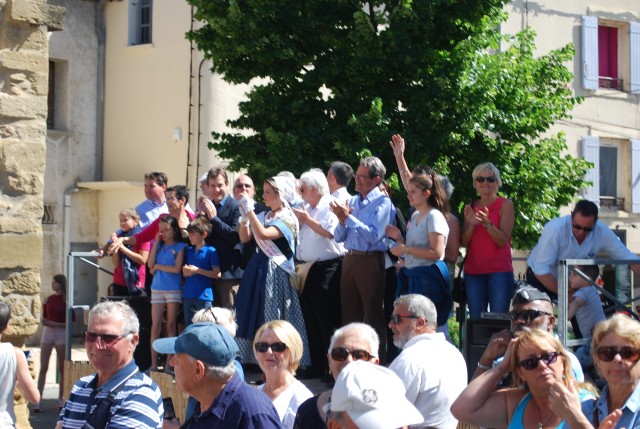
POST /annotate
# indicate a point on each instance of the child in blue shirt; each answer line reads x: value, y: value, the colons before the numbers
x: 202, y: 265
x: 585, y: 304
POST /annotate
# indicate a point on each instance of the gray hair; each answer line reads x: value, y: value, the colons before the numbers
x: 446, y: 185
x: 315, y: 179
x: 363, y: 331
x: 216, y: 372
x: 224, y: 317
x: 487, y: 166
x: 375, y: 166
x: 131, y: 325
x: 419, y: 305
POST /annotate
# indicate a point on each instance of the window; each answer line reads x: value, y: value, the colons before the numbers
x: 609, y: 172
x: 615, y: 176
x: 51, y: 97
x: 57, y: 97
x: 140, y: 20
x: 610, y: 54
x: 608, y: 58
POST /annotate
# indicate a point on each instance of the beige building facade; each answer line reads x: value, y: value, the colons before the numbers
x: 133, y: 95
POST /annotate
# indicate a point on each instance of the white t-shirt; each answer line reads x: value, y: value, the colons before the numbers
x: 418, y: 235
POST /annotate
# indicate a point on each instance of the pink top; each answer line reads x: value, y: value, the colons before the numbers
x: 118, y: 274
x: 483, y: 254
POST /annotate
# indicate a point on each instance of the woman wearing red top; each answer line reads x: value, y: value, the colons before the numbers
x: 486, y: 233
x: 54, y: 314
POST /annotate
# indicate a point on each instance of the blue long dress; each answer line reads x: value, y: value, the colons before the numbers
x: 265, y: 290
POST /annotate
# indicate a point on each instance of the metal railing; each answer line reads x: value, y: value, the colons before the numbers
x: 564, y: 268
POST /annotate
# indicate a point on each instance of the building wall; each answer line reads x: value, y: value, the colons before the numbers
x: 608, y: 114
x: 71, y: 143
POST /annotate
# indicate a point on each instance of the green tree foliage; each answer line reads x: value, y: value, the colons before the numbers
x: 332, y: 78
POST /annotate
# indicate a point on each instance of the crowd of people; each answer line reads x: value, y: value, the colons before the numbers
x: 318, y: 278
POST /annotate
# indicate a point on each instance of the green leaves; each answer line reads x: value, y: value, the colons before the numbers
x: 344, y: 76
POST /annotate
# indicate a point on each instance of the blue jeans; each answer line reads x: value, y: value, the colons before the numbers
x: 190, y: 306
x: 494, y: 290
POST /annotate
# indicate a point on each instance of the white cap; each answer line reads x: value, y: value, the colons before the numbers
x: 373, y: 396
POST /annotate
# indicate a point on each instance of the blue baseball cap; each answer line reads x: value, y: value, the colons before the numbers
x: 207, y: 342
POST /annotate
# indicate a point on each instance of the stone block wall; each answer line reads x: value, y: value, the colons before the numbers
x: 24, y: 53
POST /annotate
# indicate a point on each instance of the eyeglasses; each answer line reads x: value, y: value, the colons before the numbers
x: 481, y: 179
x: 526, y: 315
x: 581, y: 228
x: 339, y: 354
x: 243, y: 185
x: 106, y: 339
x: 608, y: 353
x: 396, y: 318
x: 278, y: 347
x: 532, y: 363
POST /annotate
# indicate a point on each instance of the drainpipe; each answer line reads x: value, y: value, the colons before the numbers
x: 101, y: 32
x: 66, y: 230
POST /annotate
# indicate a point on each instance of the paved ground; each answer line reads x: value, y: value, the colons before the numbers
x: 48, y: 418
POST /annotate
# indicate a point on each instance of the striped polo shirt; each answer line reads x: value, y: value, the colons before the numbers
x: 137, y: 405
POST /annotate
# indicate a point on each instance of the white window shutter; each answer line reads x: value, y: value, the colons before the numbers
x: 590, y: 52
x: 635, y: 175
x: 591, y: 152
x: 634, y: 56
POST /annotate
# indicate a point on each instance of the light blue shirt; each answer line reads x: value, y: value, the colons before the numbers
x: 364, y: 228
x: 629, y: 419
x: 150, y: 211
x: 557, y: 242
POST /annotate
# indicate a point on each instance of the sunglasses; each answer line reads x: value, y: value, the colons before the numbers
x: 608, y: 353
x: 339, y: 354
x: 526, y: 315
x: 106, y: 339
x: 581, y: 228
x: 396, y: 318
x: 278, y: 347
x: 532, y: 363
x: 243, y: 185
x: 481, y: 179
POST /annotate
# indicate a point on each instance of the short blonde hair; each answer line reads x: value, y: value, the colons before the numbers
x: 218, y: 315
x: 539, y: 338
x: 288, y: 335
x: 620, y: 324
x: 487, y: 166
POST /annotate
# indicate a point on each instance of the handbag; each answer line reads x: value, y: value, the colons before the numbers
x: 100, y: 416
x: 459, y: 293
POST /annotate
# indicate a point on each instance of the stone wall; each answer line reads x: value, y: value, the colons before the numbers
x: 24, y: 68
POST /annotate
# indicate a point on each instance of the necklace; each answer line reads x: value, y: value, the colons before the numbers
x: 542, y: 423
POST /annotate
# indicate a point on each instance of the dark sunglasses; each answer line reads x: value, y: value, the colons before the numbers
x: 278, y: 347
x: 526, y: 315
x: 243, y: 185
x: 607, y: 354
x: 481, y: 179
x: 581, y: 228
x: 339, y: 354
x: 396, y: 318
x: 532, y: 363
x: 106, y: 339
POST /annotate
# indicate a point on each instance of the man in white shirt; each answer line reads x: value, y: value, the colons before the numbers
x: 320, y: 299
x: 338, y: 177
x: 433, y: 371
x: 577, y: 236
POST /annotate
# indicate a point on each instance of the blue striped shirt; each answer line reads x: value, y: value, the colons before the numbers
x: 137, y: 405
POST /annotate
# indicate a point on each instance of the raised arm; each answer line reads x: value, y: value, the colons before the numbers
x: 397, y: 145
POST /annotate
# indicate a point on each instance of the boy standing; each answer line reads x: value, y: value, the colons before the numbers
x: 585, y: 304
x: 202, y: 265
